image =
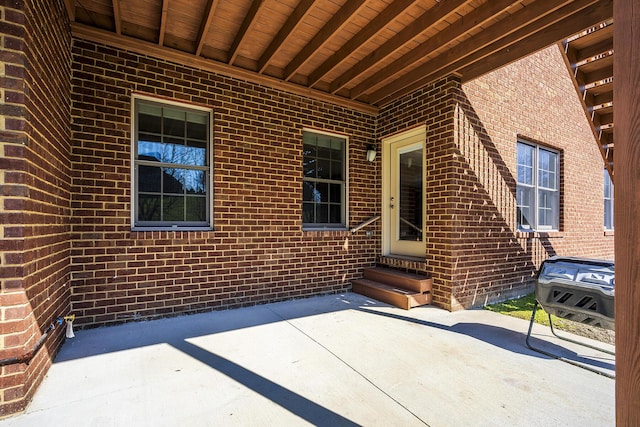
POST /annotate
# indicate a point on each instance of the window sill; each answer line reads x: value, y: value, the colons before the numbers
x: 138, y: 229
x: 328, y: 231
x: 539, y: 235
x: 609, y: 232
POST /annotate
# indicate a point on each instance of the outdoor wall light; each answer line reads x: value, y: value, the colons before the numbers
x: 371, y: 152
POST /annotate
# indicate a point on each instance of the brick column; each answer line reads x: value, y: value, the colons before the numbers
x: 17, y: 325
x: 34, y: 189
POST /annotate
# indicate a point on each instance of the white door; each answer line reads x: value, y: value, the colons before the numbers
x: 403, y: 194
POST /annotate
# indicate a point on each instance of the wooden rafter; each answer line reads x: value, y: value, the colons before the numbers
x: 368, y: 32
x: 410, y: 32
x: 389, y: 55
x: 163, y: 22
x: 189, y: 59
x: 602, y: 48
x: 539, y: 35
x: 247, y: 24
x: 500, y: 36
x: 71, y: 9
x: 335, y: 23
x: 589, y: 60
x: 117, y: 20
x: 460, y: 28
x: 209, y: 12
x: 285, y: 32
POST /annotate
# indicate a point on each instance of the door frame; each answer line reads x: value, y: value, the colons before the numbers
x: 411, y: 136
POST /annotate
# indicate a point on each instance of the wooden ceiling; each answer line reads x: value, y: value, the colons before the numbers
x: 359, y: 53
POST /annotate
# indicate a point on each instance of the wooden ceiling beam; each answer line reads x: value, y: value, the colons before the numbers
x: 70, y: 5
x: 209, y: 13
x: 336, y: 23
x: 604, y: 47
x: 285, y: 32
x: 145, y: 48
x: 428, y: 19
x: 498, y: 36
x: 375, y: 26
x: 606, y: 119
x: 117, y: 20
x: 471, y: 21
x: 603, y: 98
x: 541, y: 38
x: 598, y: 75
x: 247, y: 24
x: 163, y: 22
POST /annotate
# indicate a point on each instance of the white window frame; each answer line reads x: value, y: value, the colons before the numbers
x: 608, y: 202
x: 311, y: 226
x: 137, y: 225
x: 536, y: 188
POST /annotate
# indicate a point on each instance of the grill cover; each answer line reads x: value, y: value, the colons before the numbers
x: 578, y: 289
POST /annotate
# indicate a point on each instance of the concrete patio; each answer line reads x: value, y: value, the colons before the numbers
x: 332, y: 360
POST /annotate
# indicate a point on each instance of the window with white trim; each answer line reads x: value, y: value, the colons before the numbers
x: 608, y: 201
x: 537, y: 191
x: 324, y: 183
x: 171, y: 153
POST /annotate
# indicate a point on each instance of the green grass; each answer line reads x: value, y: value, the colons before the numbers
x: 522, y: 308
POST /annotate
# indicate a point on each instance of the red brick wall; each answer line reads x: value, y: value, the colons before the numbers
x: 521, y: 101
x: 258, y: 251
x: 35, y: 185
x: 434, y: 107
x: 473, y: 246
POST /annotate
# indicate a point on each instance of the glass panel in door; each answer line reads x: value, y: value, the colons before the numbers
x: 410, y: 203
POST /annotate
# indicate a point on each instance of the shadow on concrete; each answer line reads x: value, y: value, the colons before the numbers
x: 178, y: 330
x: 501, y: 337
x: 127, y: 336
x: 287, y: 399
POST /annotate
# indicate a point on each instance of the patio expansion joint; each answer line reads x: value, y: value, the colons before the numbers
x: 348, y: 365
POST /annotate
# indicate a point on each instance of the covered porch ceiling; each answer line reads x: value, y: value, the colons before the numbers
x: 362, y: 54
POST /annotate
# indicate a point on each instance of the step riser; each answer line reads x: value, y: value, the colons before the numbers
x: 397, y: 300
x: 390, y: 293
x: 402, y: 280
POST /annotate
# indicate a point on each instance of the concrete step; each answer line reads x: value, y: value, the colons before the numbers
x: 400, y: 279
x: 396, y: 296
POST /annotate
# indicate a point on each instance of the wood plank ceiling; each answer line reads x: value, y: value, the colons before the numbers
x: 358, y: 53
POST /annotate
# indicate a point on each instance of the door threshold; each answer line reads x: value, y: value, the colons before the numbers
x: 405, y: 257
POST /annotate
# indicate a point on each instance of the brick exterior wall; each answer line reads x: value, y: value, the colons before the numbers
x: 65, y: 189
x: 474, y: 251
x: 434, y: 107
x: 258, y: 251
x: 35, y: 183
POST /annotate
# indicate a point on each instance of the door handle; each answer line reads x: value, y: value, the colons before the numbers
x: 391, y: 205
